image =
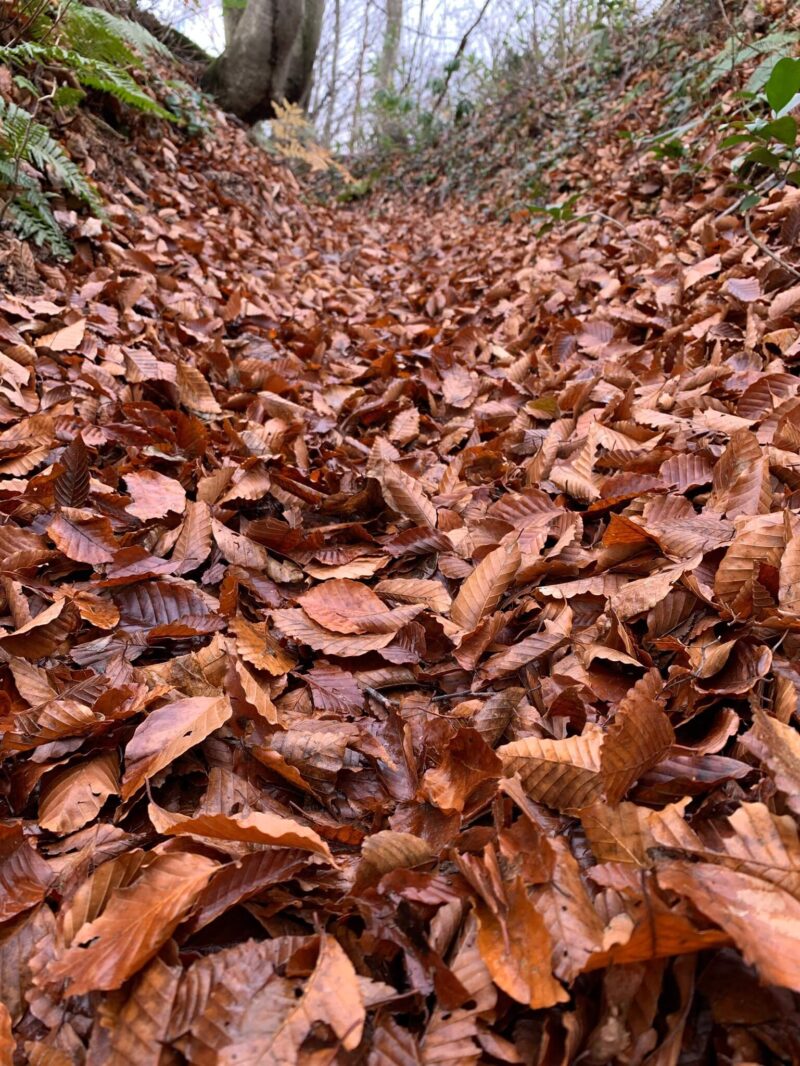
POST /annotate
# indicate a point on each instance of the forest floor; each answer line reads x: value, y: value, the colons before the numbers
x: 401, y: 617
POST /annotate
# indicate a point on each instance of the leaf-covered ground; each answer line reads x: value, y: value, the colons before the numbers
x: 399, y: 628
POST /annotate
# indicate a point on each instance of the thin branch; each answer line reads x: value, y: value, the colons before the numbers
x: 463, y: 692
x: 768, y: 252
x: 457, y: 56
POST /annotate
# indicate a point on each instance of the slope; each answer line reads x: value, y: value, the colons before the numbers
x: 400, y: 624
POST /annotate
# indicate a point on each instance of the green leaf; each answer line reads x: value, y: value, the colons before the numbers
x: 750, y: 201
x: 92, y: 72
x: 734, y: 139
x: 782, y: 129
x: 25, y: 83
x: 783, y: 83
x: 763, y: 157
x: 23, y: 137
x: 734, y: 54
x: 65, y: 96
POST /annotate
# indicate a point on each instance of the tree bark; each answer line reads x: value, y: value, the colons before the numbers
x: 337, y: 38
x: 354, y: 129
x: 300, y: 74
x: 269, y: 55
x: 387, y: 64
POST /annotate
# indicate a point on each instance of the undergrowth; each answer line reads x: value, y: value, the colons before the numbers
x: 663, y: 82
x: 60, y: 56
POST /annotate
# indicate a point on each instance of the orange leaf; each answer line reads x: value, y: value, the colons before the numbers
x: 517, y: 948
x: 256, y: 828
x: 134, y: 924
x: 346, y: 606
x: 481, y: 592
x: 167, y: 733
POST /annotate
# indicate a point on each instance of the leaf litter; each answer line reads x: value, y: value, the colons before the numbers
x: 400, y: 620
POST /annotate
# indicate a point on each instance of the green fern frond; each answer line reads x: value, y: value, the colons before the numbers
x: 22, y: 137
x: 91, y: 36
x: 90, y: 72
x: 29, y: 212
x: 132, y: 33
x: 103, y: 49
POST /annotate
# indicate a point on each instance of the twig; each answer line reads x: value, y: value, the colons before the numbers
x: 768, y: 252
x: 390, y: 705
x: 453, y: 62
x: 623, y: 227
x: 463, y: 692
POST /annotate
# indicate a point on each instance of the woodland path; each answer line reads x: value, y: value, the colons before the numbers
x: 400, y: 626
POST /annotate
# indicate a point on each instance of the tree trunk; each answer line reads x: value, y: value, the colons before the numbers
x: 270, y: 47
x: 354, y: 129
x: 387, y: 64
x: 331, y: 106
x: 300, y: 72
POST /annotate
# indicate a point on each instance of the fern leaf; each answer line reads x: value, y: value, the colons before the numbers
x: 132, y: 33
x: 90, y: 72
x: 29, y: 211
x: 22, y: 136
x: 90, y: 35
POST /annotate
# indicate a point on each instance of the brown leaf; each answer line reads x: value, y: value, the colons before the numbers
x: 452, y: 1035
x: 516, y: 949
x: 43, y: 634
x: 72, y: 797
x: 468, y: 762
x: 789, y: 577
x: 195, y: 392
x: 564, y: 774
x: 405, y: 495
x: 741, y: 483
x: 83, y: 536
x: 8, y: 1044
x: 194, y: 541
x: 240, y: 550
x: 334, y: 690
x: 18, y: 939
x: 759, y: 541
x: 297, y: 625
x: 140, y: 1028
x: 331, y: 995
x: 154, y: 495
x: 626, y: 832
x: 165, y: 609
x: 744, y: 289
x: 432, y: 594
x: 134, y: 924
x: 752, y: 840
x: 639, y: 596
x: 762, y: 920
x: 480, y: 594
x: 71, y: 487
x: 345, y: 606
x: 257, y: 646
x: 569, y: 915
x: 388, y: 850
x: 777, y: 745
x: 639, y: 736
x: 238, y: 881
x: 529, y: 650
x: 66, y: 339
x: 255, y: 828
x: 167, y: 733
x: 25, y: 877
